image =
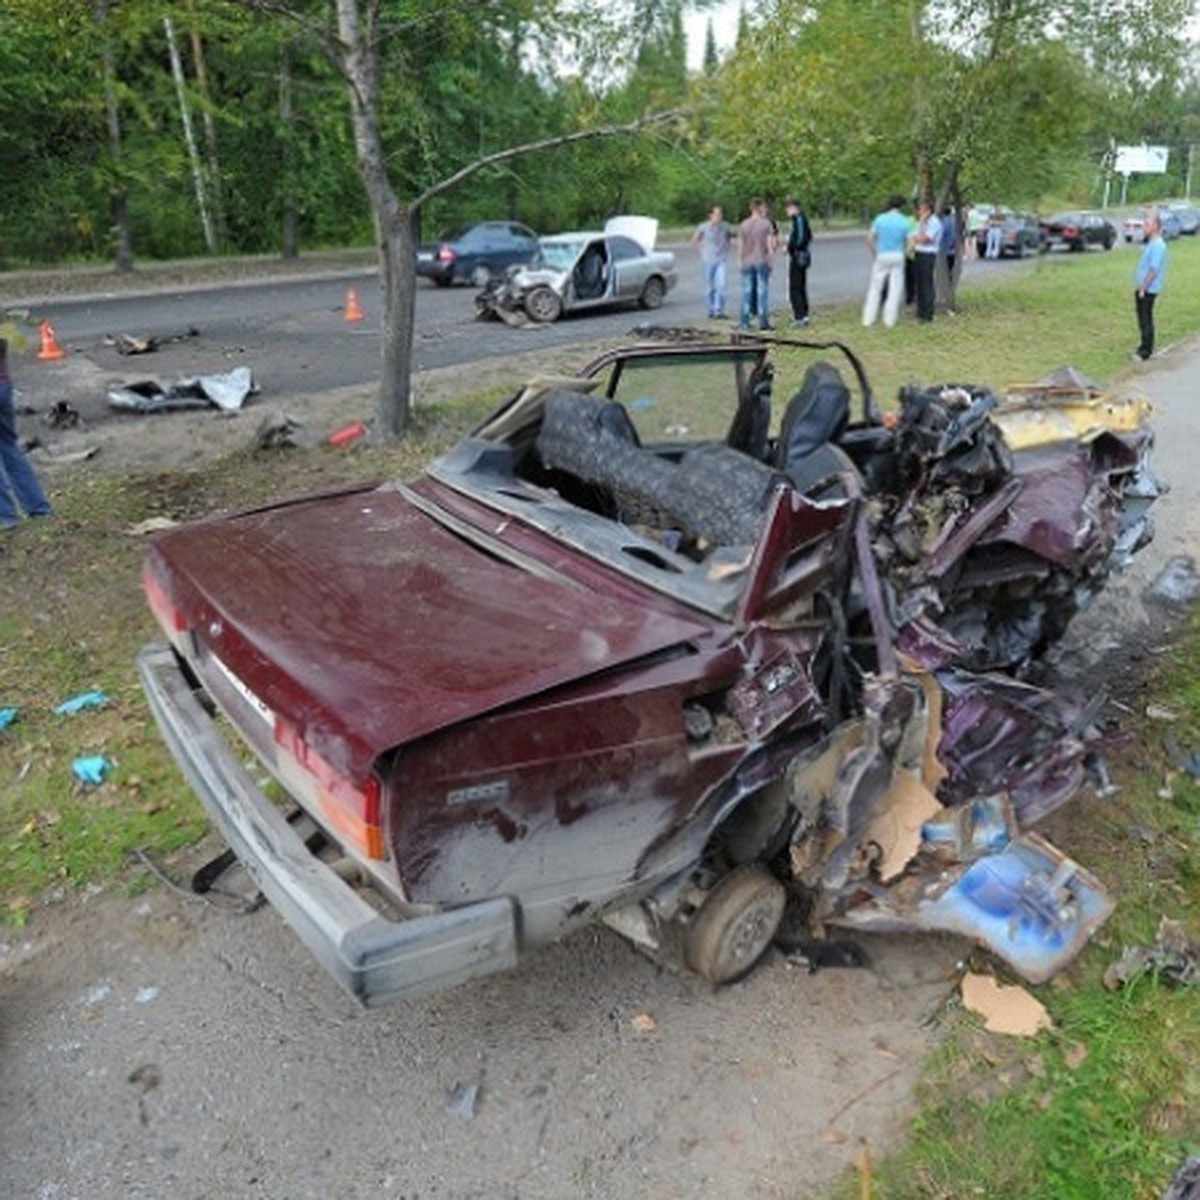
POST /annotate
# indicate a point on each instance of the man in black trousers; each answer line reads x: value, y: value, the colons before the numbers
x: 799, y: 258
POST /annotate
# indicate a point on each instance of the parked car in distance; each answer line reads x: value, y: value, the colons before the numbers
x: 578, y: 271
x: 1077, y: 231
x: 476, y: 253
x: 1134, y: 226
x: 1020, y: 234
x: 1187, y: 216
x: 642, y: 649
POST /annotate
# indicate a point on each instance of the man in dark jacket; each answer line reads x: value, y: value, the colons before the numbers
x: 799, y: 258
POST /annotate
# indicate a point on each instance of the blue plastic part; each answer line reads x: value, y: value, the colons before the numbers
x: 91, y: 769
x: 82, y: 701
x: 1029, y: 904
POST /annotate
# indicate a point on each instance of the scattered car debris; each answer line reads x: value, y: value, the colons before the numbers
x: 151, y: 525
x: 1004, y: 1008
x: 53, y: 456
x: 586, y: 668
x: 1187, y: 761
x: 348, y: 434
x: 61, y: 415
x: 1160, y: 712
x: 1185, y: 1184
x: 463, y: 1100
x: 227, y: 391
x: 817, y: 955
x: 1177, y: 583
x: 92, y: 769
x: 127, y: 343
x: 79, y: 703
x: 8, y: 717
x: 643, y: 1023
x: 1174, y: 958
x: 278, y: 431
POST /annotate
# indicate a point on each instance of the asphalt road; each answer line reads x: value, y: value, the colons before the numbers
x: 293, y: 334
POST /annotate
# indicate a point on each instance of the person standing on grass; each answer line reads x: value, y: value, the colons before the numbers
x: 799, y: 260
x: 887, y: 241
x: 711, y: 239
x: 927, y: 241
x: 756, y: 247
x: 19, y: 487
x: 1147, y: 283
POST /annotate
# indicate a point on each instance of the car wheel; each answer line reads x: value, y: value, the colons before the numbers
x: 735, y: 924
x: 442, y: 280
x: 543, y: 305
x: 653, y: 293
x: 481, y: 276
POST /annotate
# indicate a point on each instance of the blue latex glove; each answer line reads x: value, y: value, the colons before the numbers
x: 82, y: 701
x: 8, y: 716
x: 91, y: 769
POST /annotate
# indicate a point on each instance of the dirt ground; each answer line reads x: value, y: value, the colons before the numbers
x: 169, y: 1046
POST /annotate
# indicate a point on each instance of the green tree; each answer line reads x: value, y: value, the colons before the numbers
x: 848, y: 100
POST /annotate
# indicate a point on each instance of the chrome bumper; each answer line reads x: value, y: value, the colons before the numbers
x: 377, y: 960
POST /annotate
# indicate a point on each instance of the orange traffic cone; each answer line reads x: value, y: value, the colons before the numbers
x: 50, y: 347
x: 354, y: 310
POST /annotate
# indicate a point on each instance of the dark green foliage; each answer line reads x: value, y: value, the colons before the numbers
x: 461, y: 80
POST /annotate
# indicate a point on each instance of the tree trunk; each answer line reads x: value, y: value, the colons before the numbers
x: 189, y: 138
x: 212, y: 165
x: 393, y: 224
x: 398, y: 275
x: 123, y: 237
x: 289, y: 235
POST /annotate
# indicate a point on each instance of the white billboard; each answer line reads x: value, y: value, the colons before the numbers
x: 1141, y: 160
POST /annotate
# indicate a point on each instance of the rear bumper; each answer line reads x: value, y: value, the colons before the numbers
x: 435, y: 270
x: 375, y: 959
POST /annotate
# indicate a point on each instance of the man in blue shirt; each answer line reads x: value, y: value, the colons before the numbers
x: 887, y: 241
x: 1148, y: 281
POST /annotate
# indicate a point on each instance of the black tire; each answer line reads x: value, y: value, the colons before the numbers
x: 735, y: 924
x: 543, y: 305
x: 652, y: 293
x: 442, y: 281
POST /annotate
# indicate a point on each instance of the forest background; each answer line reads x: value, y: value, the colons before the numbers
x: 151, y: 129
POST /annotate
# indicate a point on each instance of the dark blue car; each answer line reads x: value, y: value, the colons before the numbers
x: 476, y: 253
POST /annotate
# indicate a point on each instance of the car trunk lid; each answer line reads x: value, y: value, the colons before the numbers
x: 366, y: 624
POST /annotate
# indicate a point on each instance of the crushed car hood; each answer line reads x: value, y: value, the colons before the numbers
x: 367, y: 624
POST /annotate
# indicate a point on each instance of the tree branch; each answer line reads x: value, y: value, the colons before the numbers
x: 444, y: 185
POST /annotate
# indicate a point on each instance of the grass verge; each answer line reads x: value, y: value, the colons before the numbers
x: 72, y: 618
x: 1102, y: 1108
x: 1107, y: 1104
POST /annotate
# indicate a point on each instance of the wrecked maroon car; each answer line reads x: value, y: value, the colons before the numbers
x: 675, y: 643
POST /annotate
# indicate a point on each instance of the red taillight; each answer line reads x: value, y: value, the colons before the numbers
x: 1070, y: 231
x: 353, y: 811
x: 446, y: 254
x: 165, y: 612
